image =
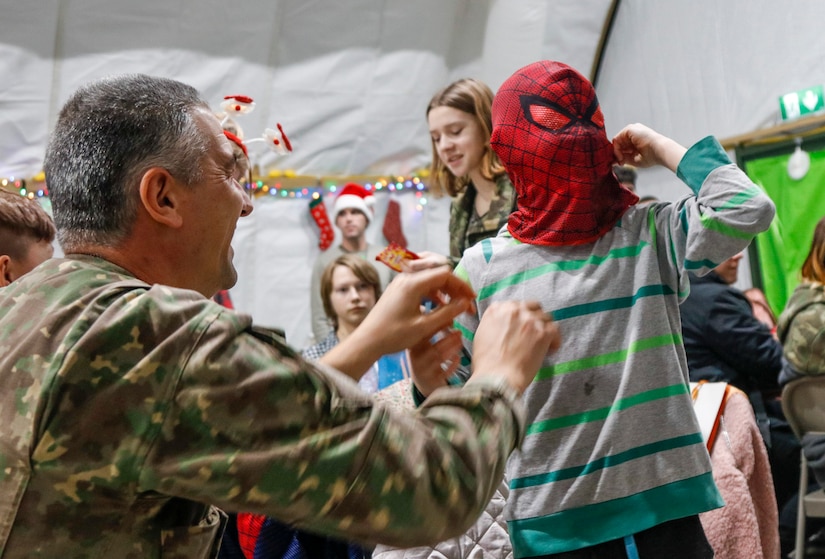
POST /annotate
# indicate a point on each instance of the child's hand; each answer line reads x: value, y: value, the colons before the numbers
x: 434, y: 363
x: 425, y: 260
x: 640, y: 146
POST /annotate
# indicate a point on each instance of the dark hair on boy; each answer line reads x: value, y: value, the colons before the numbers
x: 22, y: 221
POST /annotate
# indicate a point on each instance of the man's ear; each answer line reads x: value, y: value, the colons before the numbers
x: 5, y: 270
x: 160, y: 196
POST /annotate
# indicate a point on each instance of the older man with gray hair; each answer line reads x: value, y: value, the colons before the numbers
x: 135, y: 408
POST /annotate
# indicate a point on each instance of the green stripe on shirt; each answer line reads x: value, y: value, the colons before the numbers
x: 711, y: 224
x: 596, y: 523
x: 487, y: 250
x: 607, y: 461
x: 611, y: 304
x: 608, y: 358
x: 466, y: 333
x: 700, y: 160
x: 699, y: 264
x: 602, y: 413
x: 461, y: 272
x: 561, y: 266
x: 683, y: 219
x: 741, y: 197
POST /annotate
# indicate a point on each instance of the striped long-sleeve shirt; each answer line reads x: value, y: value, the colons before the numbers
x: 612, y: 445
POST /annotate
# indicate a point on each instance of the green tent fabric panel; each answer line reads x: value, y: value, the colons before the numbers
x: 799, y: 206
x: 778, y: 281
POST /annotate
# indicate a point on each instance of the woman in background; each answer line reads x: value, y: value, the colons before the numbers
x: 466, y: 168
x: 801, y: 330
x: 801, y: 327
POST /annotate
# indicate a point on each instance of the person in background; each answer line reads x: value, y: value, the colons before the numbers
x: 760, y: 307
x: 626, y: 175
x: 801, y: 326
x: 614, y: 464
x: 26, y: 236
x: 801, y: 331
x: 466, y: 168
x: 350, y: 287
x: 135, y: 408
x: 725, y: 341
x: 352, y: 213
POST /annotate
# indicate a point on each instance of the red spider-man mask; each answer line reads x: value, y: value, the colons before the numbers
x: 548, y: 131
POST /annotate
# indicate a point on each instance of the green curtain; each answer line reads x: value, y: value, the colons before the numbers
x: 799, y: 206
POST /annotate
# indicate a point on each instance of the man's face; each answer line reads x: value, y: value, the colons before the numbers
x: 352, y: 223
x: 729, y: 269
x: 213, y: 207
x: 351, y: 298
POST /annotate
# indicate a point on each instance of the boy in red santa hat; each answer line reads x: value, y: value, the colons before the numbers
x: 352, y: 213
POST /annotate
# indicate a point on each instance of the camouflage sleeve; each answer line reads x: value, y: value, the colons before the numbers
x: 254, y: 427
x: 459, y: 218
x: 320, y: 324
x: 804, y: 344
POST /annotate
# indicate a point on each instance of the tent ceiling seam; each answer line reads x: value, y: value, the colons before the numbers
x: 604, y: 37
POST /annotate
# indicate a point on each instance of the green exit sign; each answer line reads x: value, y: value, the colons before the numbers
x: 802, y: 102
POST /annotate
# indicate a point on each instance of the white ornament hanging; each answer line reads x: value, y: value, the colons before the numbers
x: 799, y: 162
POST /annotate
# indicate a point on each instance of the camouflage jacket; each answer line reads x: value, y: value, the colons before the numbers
x: 801, y: 329
x: 125, y: 406
x: 467, y: 227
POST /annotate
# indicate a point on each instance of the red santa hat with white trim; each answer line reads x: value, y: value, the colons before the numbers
x: 356, y: 197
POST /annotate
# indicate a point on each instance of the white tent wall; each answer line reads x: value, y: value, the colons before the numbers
x: 350, y: 80
x: 689, y: 69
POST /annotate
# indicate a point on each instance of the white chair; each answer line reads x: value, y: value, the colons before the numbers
x: 803, y: 402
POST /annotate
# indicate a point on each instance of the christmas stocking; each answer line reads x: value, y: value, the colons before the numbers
x: 319, y: 214
x: 392, y: 225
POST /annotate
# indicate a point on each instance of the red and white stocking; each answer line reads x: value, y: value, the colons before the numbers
x: 319, y: 214
x: 392, y: 225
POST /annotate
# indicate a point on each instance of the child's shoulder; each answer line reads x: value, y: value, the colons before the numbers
x: 485, y: 248
x: 635, y: 217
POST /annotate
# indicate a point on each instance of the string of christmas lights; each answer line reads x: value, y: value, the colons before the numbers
x: 288, y: 185
x: 30, y: 189
x: 287, y: 188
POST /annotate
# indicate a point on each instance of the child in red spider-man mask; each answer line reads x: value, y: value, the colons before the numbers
x: 613, y: 463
